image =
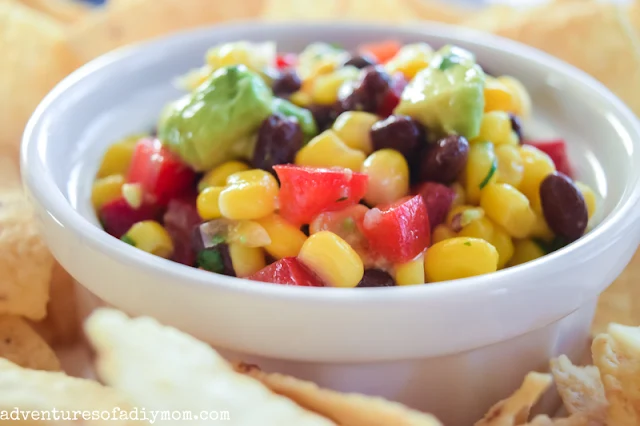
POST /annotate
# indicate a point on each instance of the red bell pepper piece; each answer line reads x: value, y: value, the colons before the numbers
x: 161, y: 173
x: 382, y: 51
x: 287, y: 271
x: 400, y: 231
x: 392, y: 97
x: 306, y: 192
x: 117, y: 217
x: 286, y: 60
x: 438, y: 200
x: 180, y: 221
x: 557, y: 150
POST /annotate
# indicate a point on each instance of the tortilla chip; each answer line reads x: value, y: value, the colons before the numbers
x: 344, y: 409
x: 617, y: 356
x: 20, y: 344
x: 25, y: 261
x: 35, y: 58
x: 37, y: 391
x: 65, y: 11
x: 139, y: 20
x: 160, y: 368
x: 440, y: 11
x: 61, y: 327
x: 574, y: 420
x: 515, y: 409
x: 580, y: 388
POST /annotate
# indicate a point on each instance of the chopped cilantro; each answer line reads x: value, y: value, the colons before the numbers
x: 127, y: 239
x: 342, y: 199
x: 211, y: 260
x: 492, y: 171
x: 468, y: 243
x: 217, y: 239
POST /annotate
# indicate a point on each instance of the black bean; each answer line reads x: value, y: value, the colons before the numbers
x: 368, y: 92
x: 563, y: 206
x: 361, y: 61
x: 376, y: 278
x: 445, y: 160
x: 279, y: 138
x: 324, y: 115
x: 404, y: 134
x: 516, y: 125
x: 286, y: 83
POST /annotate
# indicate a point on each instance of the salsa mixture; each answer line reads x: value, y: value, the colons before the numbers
x: 389, y: 165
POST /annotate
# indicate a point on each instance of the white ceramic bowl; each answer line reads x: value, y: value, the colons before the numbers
x: 452, y: 348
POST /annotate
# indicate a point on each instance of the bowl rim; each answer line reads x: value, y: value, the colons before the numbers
x: 46, y: 192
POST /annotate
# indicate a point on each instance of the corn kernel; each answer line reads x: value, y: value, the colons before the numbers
x: 132, y: 193
x: 301, y: 98
x: 151, y: 237
x: 249, y: 195
x: 521, y: 101
x: 354, y: 128
x: 589, y: 197
x: 207, y: 203
x: 509, y: 208
x: 218, y: 176
x: 510, y: 165
x: 483, y: 228
x: 411, y: 272
x: 246, y: 260
x: 459, y: 257
x: 502, y: 241
x: 461, y: 216
x: 286, y: 239
x: 541, y: 230
x: 105, y: 190
x: 537, y: 166
x: 117, y: 158
x: 480, y: 170
x: 525, y: 251
x: 460, y: 197
x: 495, y: 127
x: 442, y: 232
x: 410, y: 59
x: 497, y: 96
x: 332, y: 259
x: 388, y: 173
x: 328, y: 150
x: 325, y: 87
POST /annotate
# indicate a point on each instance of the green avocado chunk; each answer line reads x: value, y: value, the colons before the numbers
x: 218, y: 121
x: 448, y: 95
x: 304, y: 117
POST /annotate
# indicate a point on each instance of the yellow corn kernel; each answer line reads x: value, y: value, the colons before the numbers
x: 249, y: 195
x: 208, y: 201
x: 388, y: 173
x: 525, y: 251
x: 132, y: 193
x: 589, y: 197
x: 510, y: 165
x: 483, y: 228
x: 495, y: 127
x: 502, y: 241
x: 460, y: 197
x: 480, y: 170
x: 459, y: 257
x: 354, y: 128
x: 442, y: 232
x: 541, y: 230
x: 286, y: 239
x: 497, y: 96
x: 509, y: 208
x: 218, y: 176
x: 246, y: 260
x: 521, y: 101
x: 117, y: 158
x: 328, y: 150
x: 332, y: 259
x: 106, y: 190
x: 151, y: 237
x: 461, y: 216
x: 537, y: 166
x: 514, y: 140
x: 410, y: 59
x: 325, y: 87
x: 411, y: 272
x: 300, y: 98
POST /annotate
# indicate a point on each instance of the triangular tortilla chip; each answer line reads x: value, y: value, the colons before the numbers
x: 574, y: 420
x: 65, y: 11
x: 20, y: 344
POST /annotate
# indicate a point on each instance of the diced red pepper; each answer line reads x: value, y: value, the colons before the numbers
x: 180, y: 221
x: 399, y: 232
x: 305, y: 192
x: 392, y: 97
x: 161, y: 173
x: 557, y: 150
x: 286, y: 60
x: 382, y: 51
x: 117, y: 217
x: 438, y: 200
x: 287, y: 271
